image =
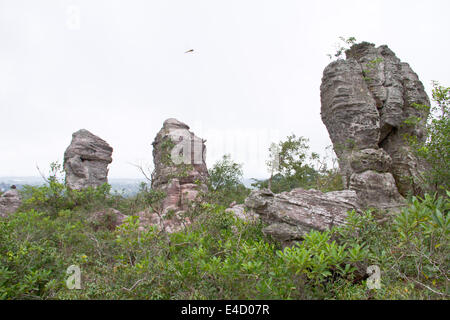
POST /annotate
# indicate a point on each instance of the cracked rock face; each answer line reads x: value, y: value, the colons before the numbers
x: 86, y: 161
x: 10, y: 201
x: 366, y: 99
x: 291, y: 215
x: 180, y: 169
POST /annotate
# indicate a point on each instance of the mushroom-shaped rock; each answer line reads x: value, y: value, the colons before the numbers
x: 86, y: 161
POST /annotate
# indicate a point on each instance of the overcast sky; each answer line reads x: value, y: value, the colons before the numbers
x: 119, y: 69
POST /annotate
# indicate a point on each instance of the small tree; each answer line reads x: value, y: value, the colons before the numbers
x: 225, y: 182
x: 435, y: 150
x: 289, y: 166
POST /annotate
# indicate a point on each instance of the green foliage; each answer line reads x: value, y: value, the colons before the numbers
x: 321, y: 259
x: 291, y: 165
x: 411, y: 248
x: 225, y: 173
x: 32, y: 246
x: 370, y: 67
x: 225, y: 182
x: 288, y: 165
x: 54, y: 196
x: 435, y: 150
x: 221, y: 257
x: 423, y: 232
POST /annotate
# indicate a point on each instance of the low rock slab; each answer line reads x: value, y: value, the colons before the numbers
x: 291, y: 215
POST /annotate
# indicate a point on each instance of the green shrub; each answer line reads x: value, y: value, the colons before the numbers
x: 225, y: 183
x: 221, y: 257
x: 435, y: 149
x: 411, y: 248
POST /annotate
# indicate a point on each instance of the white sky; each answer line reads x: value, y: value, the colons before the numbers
x: 253, y: 78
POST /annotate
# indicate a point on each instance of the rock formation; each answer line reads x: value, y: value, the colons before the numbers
x: 366, y: 99
x: 180, y: 167
x: 10, y: 201
x: 174, y: 223
x: 291, y: 215
x: 86, y: 161
x: 241, y: 212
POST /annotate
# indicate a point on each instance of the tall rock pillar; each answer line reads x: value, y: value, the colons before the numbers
x: 180, y: 169
x: 366, y: 99
x: 86, y: 161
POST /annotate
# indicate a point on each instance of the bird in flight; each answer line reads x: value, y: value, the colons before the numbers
x: 189, y: 51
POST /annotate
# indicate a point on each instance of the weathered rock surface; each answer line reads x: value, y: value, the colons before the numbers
x: 291, y: 215
x: 86, y: 161
x: 241, y: 212
x: 111, y: 219
x: 10, y: 201
x: 376, y: 190
x: 365, y: 102
x: 170, y: 224
x: 180, y: 168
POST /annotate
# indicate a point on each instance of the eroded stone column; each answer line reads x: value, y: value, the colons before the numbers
x: 366, y: 99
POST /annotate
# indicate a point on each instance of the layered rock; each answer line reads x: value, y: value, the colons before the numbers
x: 180, y: 168
x: 291, y: 215
x: 365, y: 102
x: 86, y: 161
x: 10, y: 201
x: 174, y: 223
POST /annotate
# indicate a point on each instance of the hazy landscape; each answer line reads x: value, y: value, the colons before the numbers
x: 238, y: 150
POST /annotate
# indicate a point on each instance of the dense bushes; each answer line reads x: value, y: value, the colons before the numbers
x: 291, y: 165
x: 220, y: 257
x: 54, y: 196
x: 225, y: 183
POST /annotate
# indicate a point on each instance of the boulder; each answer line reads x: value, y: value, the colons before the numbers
x: 10, y: 201
x: 291, y: 215
x: 86, y: 161
x: 370, y: 159
x: 376, y: 190
x: 366, y: 99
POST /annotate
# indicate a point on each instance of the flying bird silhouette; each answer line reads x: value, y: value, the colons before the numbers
x: 192, y: 50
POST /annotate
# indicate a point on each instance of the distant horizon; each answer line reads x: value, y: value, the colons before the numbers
x: 244, y: 179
